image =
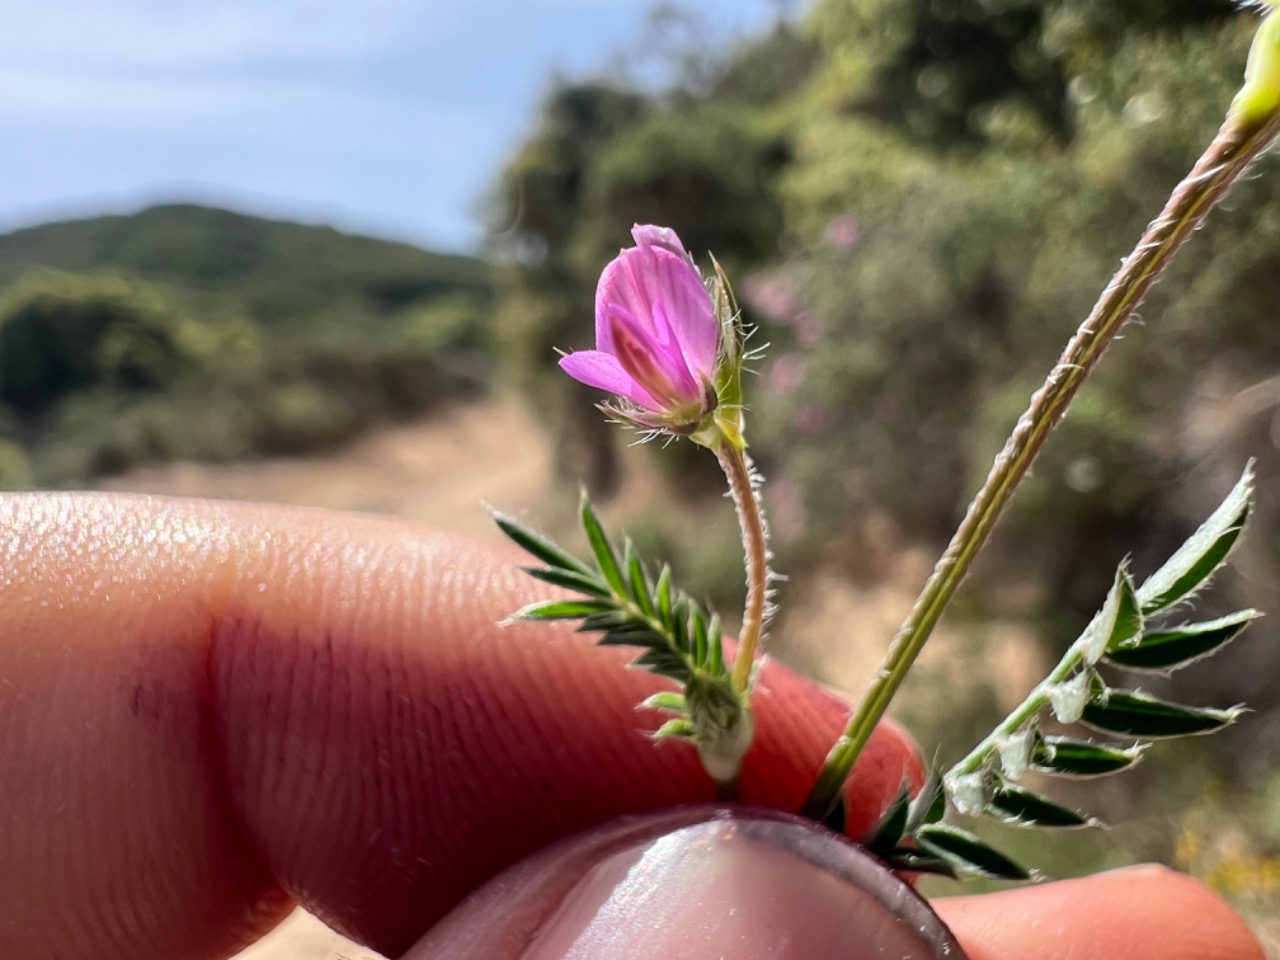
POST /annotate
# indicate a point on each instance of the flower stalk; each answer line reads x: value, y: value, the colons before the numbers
x: 744, y: 485
x: 1251, y: 127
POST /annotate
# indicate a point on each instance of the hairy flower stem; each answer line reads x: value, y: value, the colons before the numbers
x: 755, y: 543
x: 1238, y: 143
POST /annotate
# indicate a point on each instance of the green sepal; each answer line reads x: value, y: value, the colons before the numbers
x: 1168, y: 650
x: 541, y: 547
x: 1119, y: 620
x: 967, y: 853
x: 601, y: 548
x: 564, y: 610
x: 1207, y: 549
x: 728, y: 385
x: 590, y: 584
x: 1068, y: 757
x: 1133, y: 714
x: 1022, y: 808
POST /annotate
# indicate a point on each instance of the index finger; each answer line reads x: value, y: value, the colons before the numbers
x: 208, y: 710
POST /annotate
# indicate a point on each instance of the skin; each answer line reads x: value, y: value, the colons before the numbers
x: 211, y: 712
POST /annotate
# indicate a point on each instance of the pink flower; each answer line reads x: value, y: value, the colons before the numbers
x: 657, y: 336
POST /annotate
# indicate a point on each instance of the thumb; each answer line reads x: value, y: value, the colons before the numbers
x: 692, y: 883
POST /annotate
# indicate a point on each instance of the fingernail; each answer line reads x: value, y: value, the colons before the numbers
x: 696, y: 884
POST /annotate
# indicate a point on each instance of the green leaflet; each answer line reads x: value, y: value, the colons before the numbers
x: 638, y: 580
x: 1196, y: 560
x: 1023, y: 808
x: 1170, y: 649
x: 540, y: 546
x: 893, y: 824
x: 968, y: 853
x: 587, y: 583
x: 1066, y: 757
x: 1119, y: 620
x: 601, y: 548
x: 563, y: 610
x: 1134, y: 714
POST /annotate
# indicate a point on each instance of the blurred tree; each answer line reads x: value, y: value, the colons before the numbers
x: 60, y: 333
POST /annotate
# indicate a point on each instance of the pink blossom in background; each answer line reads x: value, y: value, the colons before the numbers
x: 810, y: 420
x: 808, y: 327
x: 842, y: 232
x: 657, y: 337
x: 786, y: 502
x: 785, y: 374
x: 773, y: 295
x: 777, y: 296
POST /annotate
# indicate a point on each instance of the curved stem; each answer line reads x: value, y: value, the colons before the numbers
x: 1237, y: 145
x: 755, y: 543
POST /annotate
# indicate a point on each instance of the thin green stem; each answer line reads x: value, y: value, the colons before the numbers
x: 1236, y: 146
x: 755, y: 543
x: 1024, y: 713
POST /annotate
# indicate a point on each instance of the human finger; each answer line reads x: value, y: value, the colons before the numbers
x: 208, y: 711
x: 1138, y: 913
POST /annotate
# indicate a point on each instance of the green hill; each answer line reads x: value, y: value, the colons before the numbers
x: 193, y: 332
x: 279, y: 271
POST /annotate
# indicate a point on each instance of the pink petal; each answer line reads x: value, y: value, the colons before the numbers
x: 690, y: 312
x: 647, y: 235
x: 642, y: 277
x: 655, y: 364
x: 602, y: 370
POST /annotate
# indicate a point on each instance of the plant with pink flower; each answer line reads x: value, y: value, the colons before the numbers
x: 671, y: 348
x: 660, y: 340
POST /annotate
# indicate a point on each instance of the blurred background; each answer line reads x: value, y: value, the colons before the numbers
x: 326, y: 256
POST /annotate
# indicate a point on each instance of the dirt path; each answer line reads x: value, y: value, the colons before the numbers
x: 442, y: 471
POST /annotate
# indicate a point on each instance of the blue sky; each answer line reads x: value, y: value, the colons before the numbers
x: 383, y: 116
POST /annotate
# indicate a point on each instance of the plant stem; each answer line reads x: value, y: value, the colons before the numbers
x: 1237, y: 145
x: 1035, y: 701
x: 755, y: 543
